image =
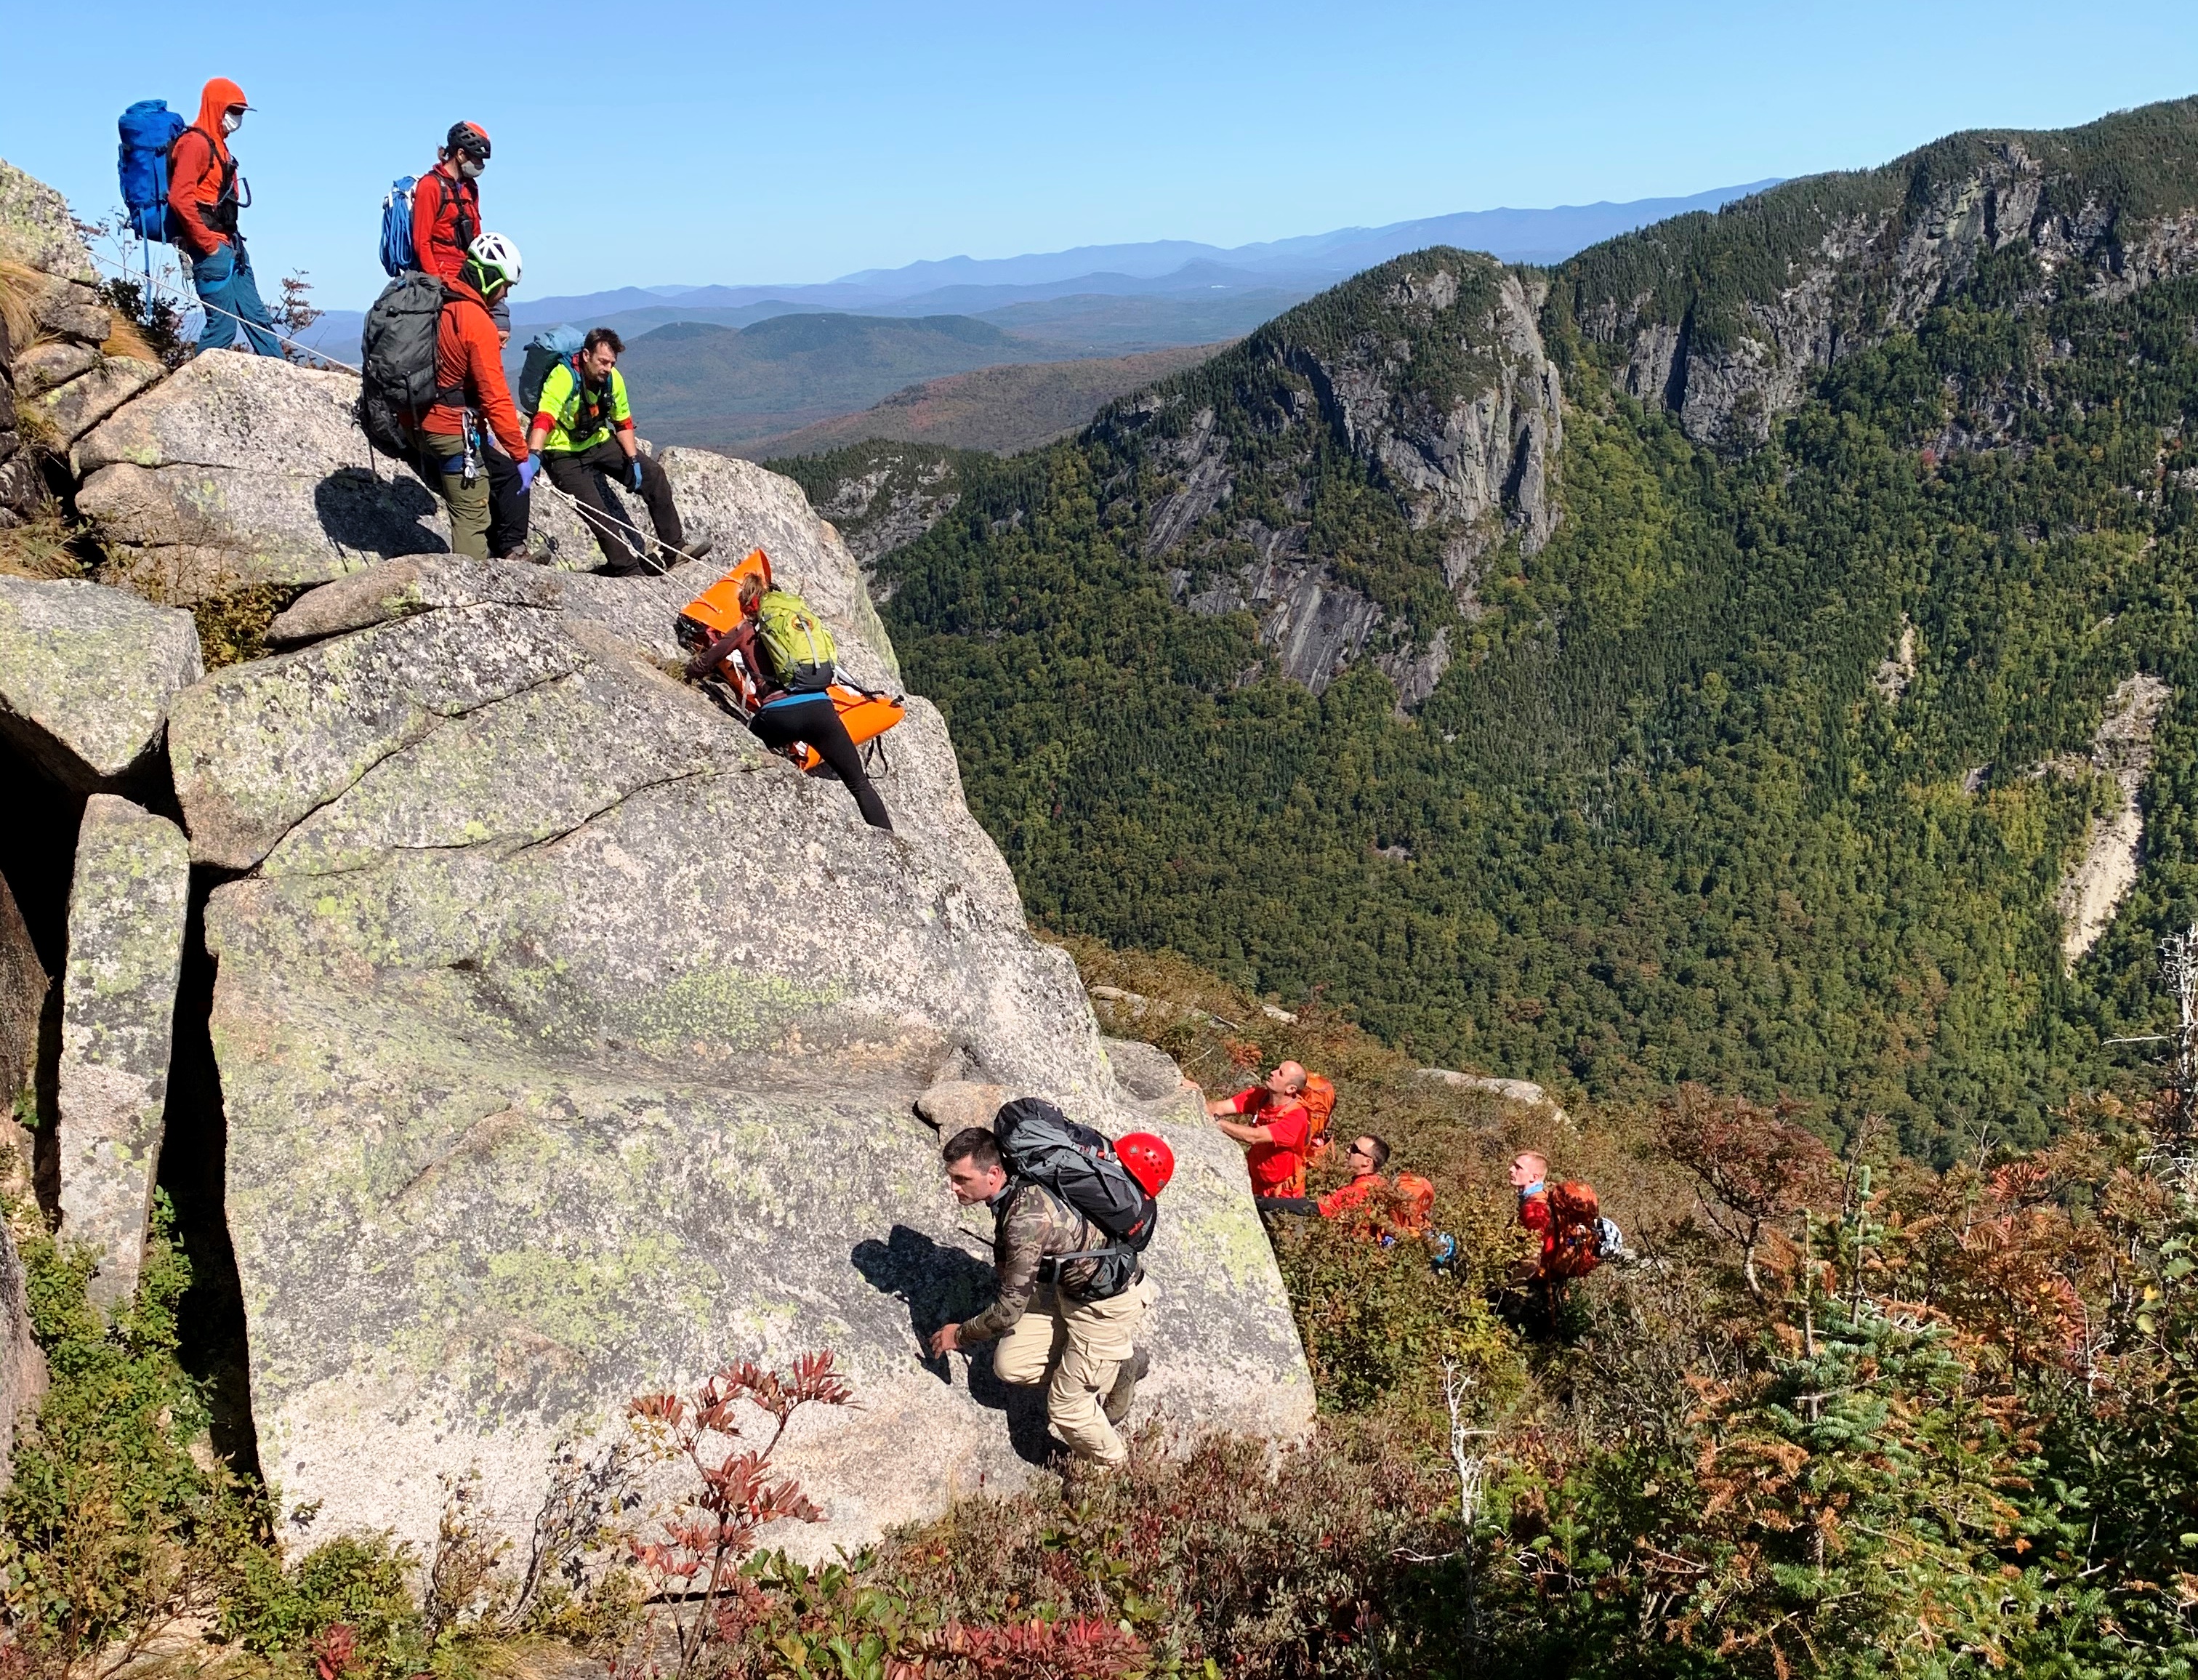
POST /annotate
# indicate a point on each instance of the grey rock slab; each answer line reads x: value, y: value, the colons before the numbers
x: 87, y: 675
x: 127, y: 905
x: 606, y: 730
x: 247, y: 469
x: 955, y: 1104
x: 43, y: 366
x: 74, y: 311
x: 1147, y: 1072
x: 399, y: 589
x: 734, y: 504
x: 569, y: 1045
x: 36, y: 227
x: 23, y: 985
x: 22, y: 1365
x: 257, y: 747
x: 73, y: 409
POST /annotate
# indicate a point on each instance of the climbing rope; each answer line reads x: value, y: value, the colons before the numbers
x: 594, y: 517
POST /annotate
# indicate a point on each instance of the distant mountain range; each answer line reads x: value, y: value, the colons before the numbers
x: 1175, y: 291
x: 998, y: 409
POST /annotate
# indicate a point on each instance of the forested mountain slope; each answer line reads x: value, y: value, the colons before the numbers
x: 1683, y: 663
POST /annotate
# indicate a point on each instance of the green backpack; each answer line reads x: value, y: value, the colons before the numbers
x: 799, y: 648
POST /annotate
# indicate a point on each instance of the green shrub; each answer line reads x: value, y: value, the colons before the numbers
x: 359, y: 1584
x: 1378, y: 1322
x: 112, y: 1527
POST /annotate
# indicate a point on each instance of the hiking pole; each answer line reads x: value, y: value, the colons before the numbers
x: 589, y: 515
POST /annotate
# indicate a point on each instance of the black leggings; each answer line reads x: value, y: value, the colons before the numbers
x: 816, y: 721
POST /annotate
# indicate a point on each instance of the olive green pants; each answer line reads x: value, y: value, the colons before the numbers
x: 468, y: 502
x: 1082, y: 1346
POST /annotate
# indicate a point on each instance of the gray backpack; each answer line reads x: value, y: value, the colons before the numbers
x: 397, y: 362
x: 1077, y: 1167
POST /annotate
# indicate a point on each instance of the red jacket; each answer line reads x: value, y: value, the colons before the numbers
x: 1277, y: 1166
x: 1534, y: 1215
x: 202, y: 175
x: 1356, y: 1193
x: 445, y: 220
x: 468, y: 359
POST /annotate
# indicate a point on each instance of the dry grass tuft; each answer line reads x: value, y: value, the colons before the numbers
x: 40, y: 547
x: 19, y: 287
x: 126, y: 339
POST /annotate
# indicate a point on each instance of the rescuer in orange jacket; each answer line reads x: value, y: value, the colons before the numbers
x: 471, y: 391
x: 206, y: 192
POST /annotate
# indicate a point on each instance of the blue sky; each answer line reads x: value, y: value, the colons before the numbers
x: 676, y: 143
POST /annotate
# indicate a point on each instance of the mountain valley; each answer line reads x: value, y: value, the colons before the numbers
x: 1490, y: 650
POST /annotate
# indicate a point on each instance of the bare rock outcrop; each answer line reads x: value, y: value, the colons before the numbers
x: 86, y: 676
x: 1876, y: 252
x: 1441, y: 387
x: 62, y: 380
x: 126, y: 942
x: 23, y: 985
x: 570, y: 1044
x: 2102, y: 878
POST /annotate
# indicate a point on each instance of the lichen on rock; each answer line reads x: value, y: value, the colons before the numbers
x: 125, y: 940
x: 570, y: 1044
x: 87, y: 674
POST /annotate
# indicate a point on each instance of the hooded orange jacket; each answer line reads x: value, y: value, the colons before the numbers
x: 202, y: 174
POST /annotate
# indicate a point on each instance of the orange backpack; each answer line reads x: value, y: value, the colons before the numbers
x: 1319, y: 1099
x: 1576, y: 1225
x: 1412, y: 1204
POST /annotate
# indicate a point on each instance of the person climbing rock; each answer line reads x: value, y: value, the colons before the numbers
x: 775, y: 631
x: 206, y: 191
x: 1043, y: 1252
x: 583, y: 431
x: 471, y: 468
x: 1278, y: 1137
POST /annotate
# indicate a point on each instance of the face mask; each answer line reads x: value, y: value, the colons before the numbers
x: 469, y: 169
x: 231, y: 121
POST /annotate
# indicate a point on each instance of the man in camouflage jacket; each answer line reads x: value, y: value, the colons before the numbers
x: 1084, y: 1351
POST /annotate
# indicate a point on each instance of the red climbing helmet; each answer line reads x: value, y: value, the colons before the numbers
x: 1149, y: 1158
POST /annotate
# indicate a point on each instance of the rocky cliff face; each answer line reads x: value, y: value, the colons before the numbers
x: 1726, y: 320
x: 1430, y: 374
x: 568, y: 1044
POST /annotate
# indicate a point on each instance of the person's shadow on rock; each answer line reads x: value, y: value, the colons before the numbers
x: 939, y: 1286
x: 380, y: 513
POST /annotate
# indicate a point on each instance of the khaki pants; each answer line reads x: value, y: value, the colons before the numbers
x: 468, y: 502
x: 1083, y: 1344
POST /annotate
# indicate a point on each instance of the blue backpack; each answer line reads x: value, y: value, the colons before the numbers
x: 397, y: 252
x: 544, y: 351
x: 149, y: 130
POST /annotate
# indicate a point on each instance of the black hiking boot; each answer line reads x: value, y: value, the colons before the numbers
x: 1124, y: 1394
x: 696, y: 550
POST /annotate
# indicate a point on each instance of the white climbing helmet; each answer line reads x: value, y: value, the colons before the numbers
x: 497, y: 256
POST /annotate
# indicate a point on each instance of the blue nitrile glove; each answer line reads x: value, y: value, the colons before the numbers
x: 527, y: 469
x: 633, y: 475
